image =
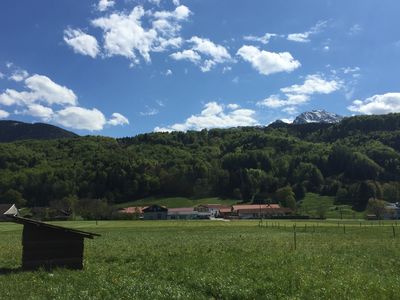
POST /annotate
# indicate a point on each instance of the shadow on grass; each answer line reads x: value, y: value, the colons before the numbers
x: 7, y: 271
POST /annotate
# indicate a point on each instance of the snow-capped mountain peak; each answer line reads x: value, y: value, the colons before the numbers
x: 317, y: 116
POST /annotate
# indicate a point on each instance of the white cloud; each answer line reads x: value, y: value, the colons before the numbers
x: 2, y: 75
x: 105, y: 4
x: 4, y: 114
x: 164, y: 44
x: 218, y: 53
x: 214, y: 116
x: 378, y: 104
x: 275, y: 101
x: 190, y: 55
x: 261, y: 39
x: 297, y: 95
x: 349, y: 70
x: 44, y: 89
x: 81, y: 42
x: 304, y: 37
x: 168, y: 72
x: 267, y: 63
x: 124, y: 34
x: 80, y: 118
x: 40, y: 89
x: 19, y: 75
x: 176, y: 2
x: 181, y: 12
x: 314, y: 84
x: 117, y: 119
x: 38, y: 111
x: 204, y: 53
x: 233, y: 106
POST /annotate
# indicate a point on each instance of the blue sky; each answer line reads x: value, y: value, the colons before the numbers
x: 124, y: 67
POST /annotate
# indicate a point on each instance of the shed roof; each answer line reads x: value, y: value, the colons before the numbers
x: 155, y: 208
x: 25, y: 221
x: 133, y: 209
x: 181, y: 210
x: 7, y: 210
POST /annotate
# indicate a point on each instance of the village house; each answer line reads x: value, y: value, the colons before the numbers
x: 182, y: 213
x: 392, y: 211
x: 212, y: 210
x: 134, y: 210
x: 257, y: 211
x: 155, y: 212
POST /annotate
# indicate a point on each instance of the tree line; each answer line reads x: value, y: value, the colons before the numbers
x: 354, y: 161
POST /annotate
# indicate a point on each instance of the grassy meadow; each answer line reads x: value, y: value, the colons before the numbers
x: 216, y: 260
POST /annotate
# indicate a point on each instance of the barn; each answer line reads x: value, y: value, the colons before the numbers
x: 49, y: 246
x: 155, y: 212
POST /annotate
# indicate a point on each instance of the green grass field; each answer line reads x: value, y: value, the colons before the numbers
x: 216, y: 260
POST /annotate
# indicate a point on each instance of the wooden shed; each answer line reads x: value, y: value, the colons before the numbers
x: 49, y: 246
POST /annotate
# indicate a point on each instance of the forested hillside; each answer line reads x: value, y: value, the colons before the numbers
x: 354, y: 160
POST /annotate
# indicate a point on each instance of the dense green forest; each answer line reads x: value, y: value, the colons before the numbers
x: 354, y: 161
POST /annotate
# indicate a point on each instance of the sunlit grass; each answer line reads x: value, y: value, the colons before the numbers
x: 216, y: 260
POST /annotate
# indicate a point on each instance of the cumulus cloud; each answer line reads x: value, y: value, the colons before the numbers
x: 81, y: 42
x: 38, y: 111
x: 314, y: 84
x: 304, y: 37
x: 189, y: 55
x: 4, y: 114
x: 2, y: 75
x: 261, y: 39
x: 42, y: 98
x: 378, y: 104
x: 267, y: 63
x: 297, y: 95
x: 118, y: 119
x: 80, y: 118
x: 204, y: 53
x: 125, y: 34
x: 181, y: 12
x: 19, y: 75
x: 275, y: 101
x: 214, y: 115
x: 103, y: 5
x: 39, y: 89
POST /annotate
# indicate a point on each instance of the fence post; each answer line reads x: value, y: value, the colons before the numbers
x: 394, y: 232
x: 294, y: 237
x: 344, y: 228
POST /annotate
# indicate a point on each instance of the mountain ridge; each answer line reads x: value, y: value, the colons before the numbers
x: 11, y: 131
